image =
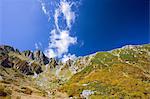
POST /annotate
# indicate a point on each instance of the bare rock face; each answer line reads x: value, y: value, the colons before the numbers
x: 7, y: 48
x: 53, y: 63
x: 34, y: 67
x: 4, y: 58
x: 39, y: 56
x: 7, y: 63
x: 3, y: 54
x: 24, y: 66
x: 28, y: 54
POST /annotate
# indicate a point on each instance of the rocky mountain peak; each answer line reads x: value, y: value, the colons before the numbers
x: 6, y: 48
x: 40, y: 56
x: 37, y: 56
x: 28, y: 54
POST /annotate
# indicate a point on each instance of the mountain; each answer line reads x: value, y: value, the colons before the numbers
x: 119, y: 73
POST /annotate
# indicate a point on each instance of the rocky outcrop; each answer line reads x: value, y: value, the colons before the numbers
x: 23, y: 66
x: 53, y: 63
x: 7, y: 48
x: 35, y: 67
x: 14, y: 61
x: 69, y: 62
x: 4, y: 58
x: 7, y: 63
x: 39, y: 56
x: 28, y: 54
x: 27, y: 68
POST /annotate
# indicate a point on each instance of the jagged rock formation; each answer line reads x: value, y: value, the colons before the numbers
x: 4, y: 58
x: 6, y: 48
x: 28, y: 54
x: 10, y: 58
x: 37, y: 56
x: 53, y: 63
x: 120, y: 73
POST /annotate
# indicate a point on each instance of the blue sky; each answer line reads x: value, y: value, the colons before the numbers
x: 100, y: 25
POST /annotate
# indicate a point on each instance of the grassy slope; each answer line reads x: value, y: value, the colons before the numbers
x: 14, y: 85
x: 120, y: 73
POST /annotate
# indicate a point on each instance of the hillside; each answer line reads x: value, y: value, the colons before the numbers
x: 119, y: 73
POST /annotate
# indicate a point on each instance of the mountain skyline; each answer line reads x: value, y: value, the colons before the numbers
x: 118, y: 73
x: 74, y: 49
x: 99, y: 25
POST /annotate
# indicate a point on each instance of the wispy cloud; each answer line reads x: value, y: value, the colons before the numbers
x: 44, y: 9
x: 60, y: 38
x: 38, y: 45
x: 69, y: 15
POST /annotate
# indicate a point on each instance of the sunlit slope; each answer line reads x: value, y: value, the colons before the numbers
x: 120, y: 73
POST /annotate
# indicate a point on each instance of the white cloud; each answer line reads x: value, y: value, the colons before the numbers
x: 69, y: 15
x: 56, y: 15
x: 60, y: 39
x: 60, y: 42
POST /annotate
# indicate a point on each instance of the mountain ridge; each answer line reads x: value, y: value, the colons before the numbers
x: 99, y: 75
